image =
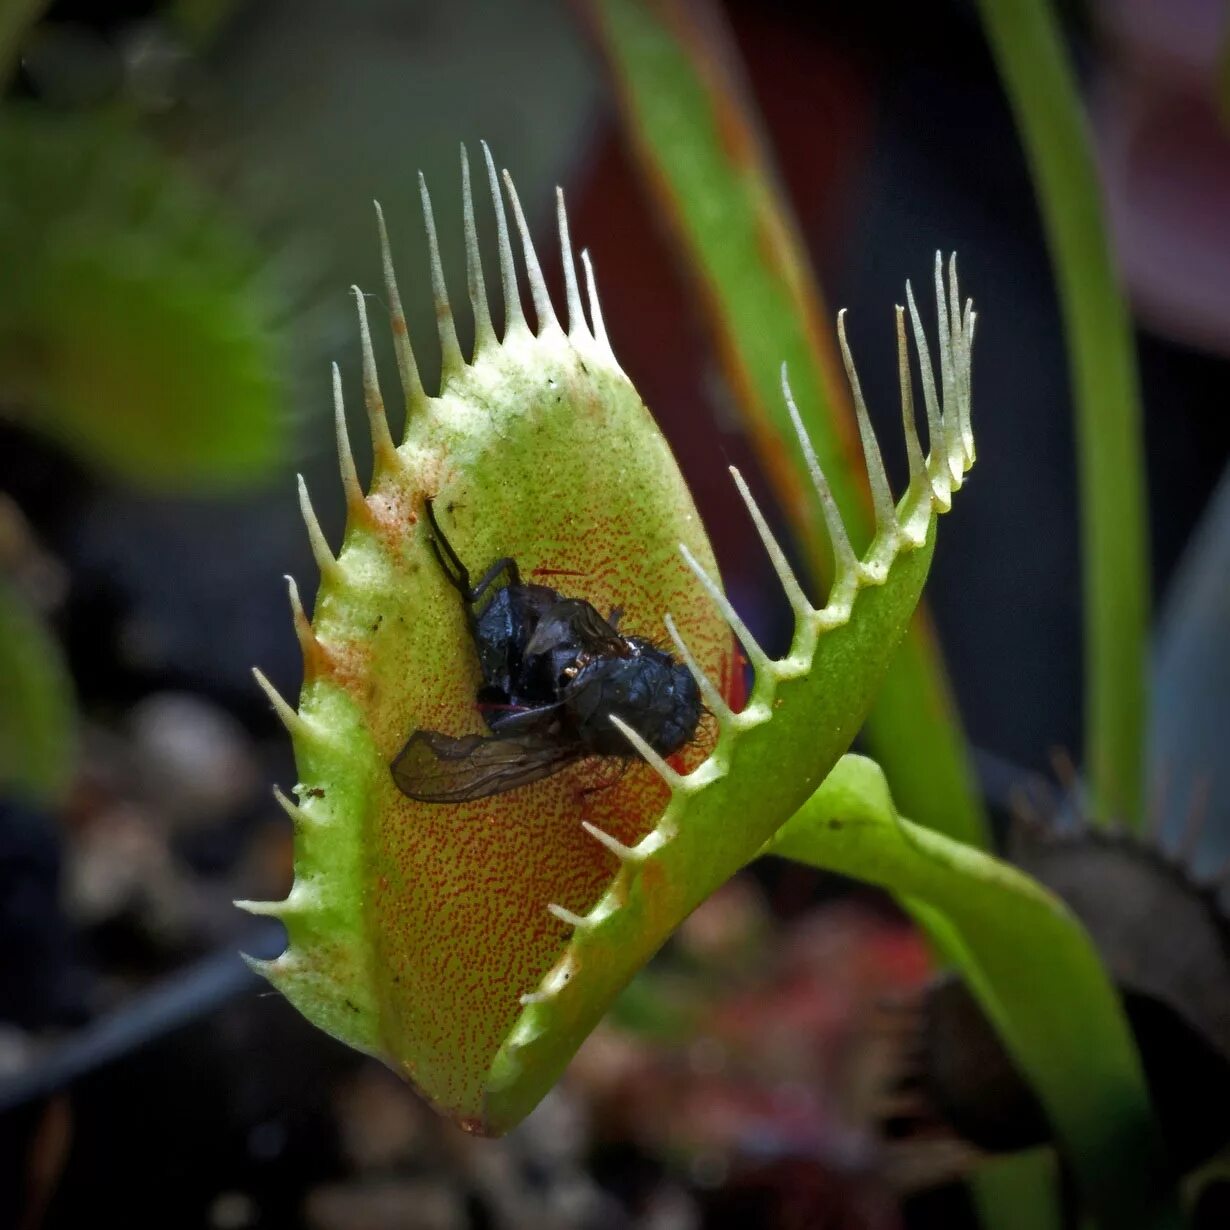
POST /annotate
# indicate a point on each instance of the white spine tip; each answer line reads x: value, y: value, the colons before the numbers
x: 514, y: 314
x: 595, y: 308
x: 484, y: 333
x: 261, y: 909
x: 577, y: 921
x: 325, y: 563
x: 761, y: 663
x: 450, y: 349
x: 845, y: 562
x: 715, y: 702
x: 647, y: 753
x: 799, y: 604
x: 625, y: 854
x: 296, y: 813
x: 533, y: 270
x: 303, y: 626
x: 881, y: 495
x: 407, y: 368
x: 572, y: 294
x: 355, y: 504
x: 289, y: 718
x: 384, y: 453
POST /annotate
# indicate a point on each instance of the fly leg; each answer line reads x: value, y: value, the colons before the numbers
x: 459, y: 575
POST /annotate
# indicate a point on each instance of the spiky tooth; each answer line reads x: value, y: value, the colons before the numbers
x: 761, y: 663
x: 953, y: 447
x: 484, y: 333
x: 909, y: 422
x: 384, y: 452
x: 450, y: 349
x: 267, y: 970
x: 715, y: 702
x: 514, y: 313
x: 298, y: 817
x: 325, y: 563
x: 799, y: 604
x: 881, y: 494
x: 543, y: 308
x: 647, y: 754
x: 262, y: 909
x: 289, y: 717
x: 937, y: 465
x: 954, y: 305
x: 967, y: 401
x: 961, y: 359
x: 407, y: 369
x: 625, y: 854
x: 598, y: 325
x: 845, y: 562
x: 578, y: 921
x: 308, y: 645
x: 572, y: 294
x: 356, y: 505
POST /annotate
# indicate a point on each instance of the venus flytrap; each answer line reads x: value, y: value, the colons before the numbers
x: 474, y: 946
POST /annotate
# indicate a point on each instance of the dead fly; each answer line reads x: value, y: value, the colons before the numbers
x: 554, y: 672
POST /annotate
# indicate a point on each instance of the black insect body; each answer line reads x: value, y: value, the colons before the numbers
x: 554, y: 671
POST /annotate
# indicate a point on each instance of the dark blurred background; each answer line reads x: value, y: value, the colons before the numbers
x: 736, y: 1088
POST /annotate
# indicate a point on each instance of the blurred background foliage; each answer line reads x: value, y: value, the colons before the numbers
x: 184, y: 201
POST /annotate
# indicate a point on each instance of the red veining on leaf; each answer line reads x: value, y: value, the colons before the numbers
x: 583, y: 492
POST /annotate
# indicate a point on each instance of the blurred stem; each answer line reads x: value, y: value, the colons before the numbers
x: 1026, y: 43
x: 1032, y: 968
x: 16, y: 17
x: 1019, y: 1191
x: 696, y: 135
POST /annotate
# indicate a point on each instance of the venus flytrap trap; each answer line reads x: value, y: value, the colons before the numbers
x: 474, y: 946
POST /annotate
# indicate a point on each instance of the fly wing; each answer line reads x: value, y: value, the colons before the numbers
x: 574, y: 623
x: 437, y: 768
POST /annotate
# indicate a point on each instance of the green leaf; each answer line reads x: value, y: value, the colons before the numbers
x: 698, y: 141
x: 1033, y: 969
x: 474, y: 945
x: 37, y: 737
x: 135, y: 326
x: 1101, y: 353
x: 1019, y: 1191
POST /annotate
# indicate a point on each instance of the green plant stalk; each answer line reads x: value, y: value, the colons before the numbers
x: 698, y: 146
x: 1037, y: 76
x: 1031, y: 966
x: 1019, y: 1191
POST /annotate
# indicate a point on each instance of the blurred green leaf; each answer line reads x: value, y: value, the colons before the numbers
x: 1032, y: 968
x: 136, y: 326
x: 36, y: 705
x: 698, y: 142
x: 1041, y: 87
x: 1019, y: 1191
